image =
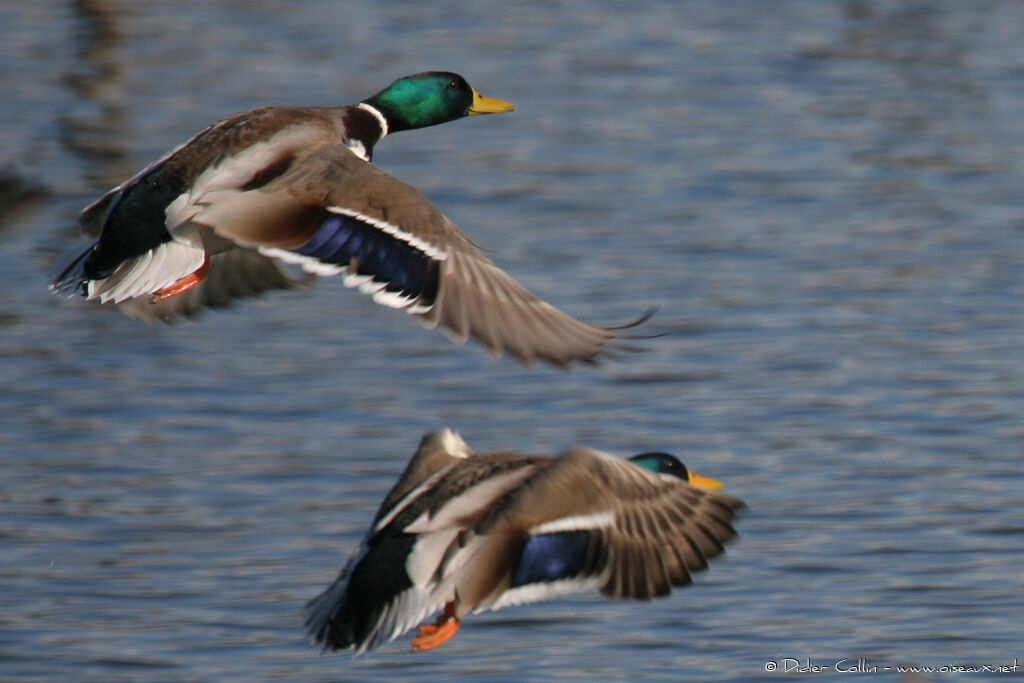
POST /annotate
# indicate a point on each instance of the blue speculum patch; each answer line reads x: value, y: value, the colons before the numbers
x: 549, y: 557
x: 401, y: 267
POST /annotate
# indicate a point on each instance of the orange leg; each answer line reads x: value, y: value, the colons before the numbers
x: 183, y: 285
x: 438, y: 633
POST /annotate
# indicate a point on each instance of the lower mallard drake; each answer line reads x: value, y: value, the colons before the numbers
x: 462, y: 533
x: 217, y: 218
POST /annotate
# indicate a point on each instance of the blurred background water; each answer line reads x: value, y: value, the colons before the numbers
x: 822, y: 198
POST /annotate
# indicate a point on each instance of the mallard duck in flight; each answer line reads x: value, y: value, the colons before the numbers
x: 462, y: 532
x: 216, y: 218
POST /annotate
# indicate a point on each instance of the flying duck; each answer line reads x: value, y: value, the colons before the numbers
x: 216, y: 218
x: 462, y: 532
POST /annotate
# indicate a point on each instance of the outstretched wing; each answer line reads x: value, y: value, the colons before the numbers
x: 333, y: 213
x: 590, y: 519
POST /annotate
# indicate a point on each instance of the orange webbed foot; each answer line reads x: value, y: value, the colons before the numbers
x: 438, y: 633
x: 183, y: 285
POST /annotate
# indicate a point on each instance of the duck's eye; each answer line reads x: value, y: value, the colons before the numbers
x: 452, y: 85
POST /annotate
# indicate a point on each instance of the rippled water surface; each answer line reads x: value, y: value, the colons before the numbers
x: 823, y: 200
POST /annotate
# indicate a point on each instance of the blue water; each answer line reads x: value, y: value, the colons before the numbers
x: 822, y: 198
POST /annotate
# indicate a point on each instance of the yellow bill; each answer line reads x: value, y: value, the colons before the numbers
x: 488, y: 105
x: 706, y: 483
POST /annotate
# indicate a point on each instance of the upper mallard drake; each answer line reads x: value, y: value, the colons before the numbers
x: 214, y: 220
x: 467, y: 533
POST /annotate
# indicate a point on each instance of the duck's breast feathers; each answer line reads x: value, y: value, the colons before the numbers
x: 593, y: 519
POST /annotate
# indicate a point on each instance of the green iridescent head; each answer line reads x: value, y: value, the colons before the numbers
x: 663, y: 463
x: 430, y: 98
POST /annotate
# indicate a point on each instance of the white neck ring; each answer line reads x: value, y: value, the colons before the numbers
x: 377, y: 115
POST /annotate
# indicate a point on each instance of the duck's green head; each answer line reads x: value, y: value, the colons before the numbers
x: 663, y: 463
x: 430, y: 98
